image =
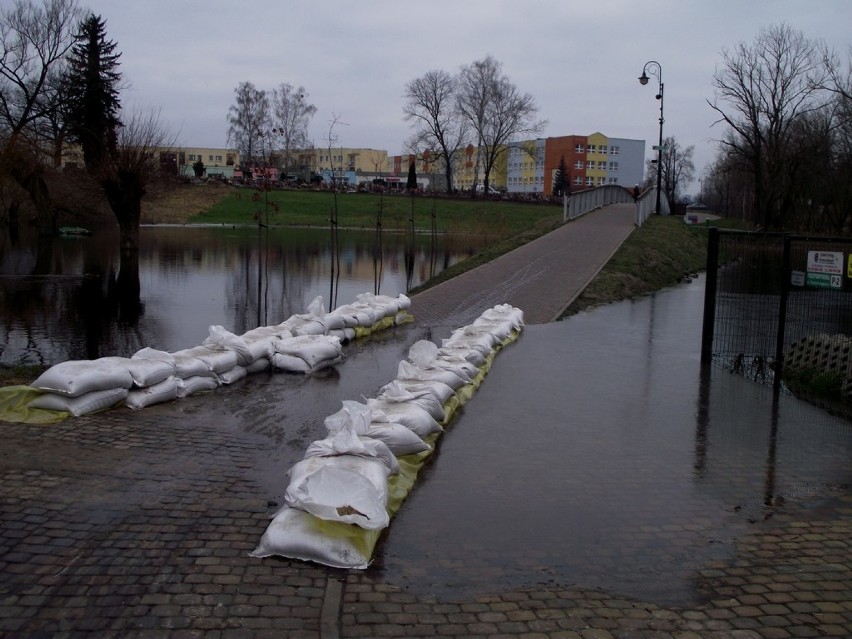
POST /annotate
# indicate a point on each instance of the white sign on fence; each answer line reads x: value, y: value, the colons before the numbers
x: 825, y: 262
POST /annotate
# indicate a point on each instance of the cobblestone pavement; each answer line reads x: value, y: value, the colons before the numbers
x: 140, y: 523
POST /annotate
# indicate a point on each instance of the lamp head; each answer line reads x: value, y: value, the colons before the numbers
x: 643, y: 79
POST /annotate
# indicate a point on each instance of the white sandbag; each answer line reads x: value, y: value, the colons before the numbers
x: 371, y: 447
x: 316, y: 307
x: 290, y: 364
x: 505, y: 312
x: 482, y: 341
x: 415, y: 418
x: 387, y: 305
x: 217, y: 361
x: 296, y: 534
x: 439, y: 390
x: 346, y: 430
x: 260, y: 365
x: 396, y: 392
x: 223, y: 340
x: 403, y: 302
x: 78, y: 377
x: 333, y: 322
x: 345, y: 335
x: 81, y: 404
x: 318, y: 351
x: 152, y: 353
x: 423, y: 353
x: 195, y: 384
x: 164, y: 391
x: 501, y: 329
x: 145, y: 372
x: 299, y: 325
x: 231, y: 376
x: 407, y: 370
x: 187, y: 366
x: 458, y: 365
x: 399, y: 439
x: 468, y: 353
x: 345, y: 488
x: 267, y: 333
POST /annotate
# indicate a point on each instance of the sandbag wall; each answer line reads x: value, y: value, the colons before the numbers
x: 348, y: 486
x: 303, y: 343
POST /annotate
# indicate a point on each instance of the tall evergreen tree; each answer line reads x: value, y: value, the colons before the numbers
x: 560, y: 180
x: 411, y: 183
x: 92, y: 88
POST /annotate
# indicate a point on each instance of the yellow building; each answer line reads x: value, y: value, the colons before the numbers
x: 596, y: 159
x: 341, y: 159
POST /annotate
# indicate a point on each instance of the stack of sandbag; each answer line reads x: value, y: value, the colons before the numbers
x: 344, y: 492
x: 370, y: 313
x: 80, y: 387
x: 303, y: 343
x: 306, y: 353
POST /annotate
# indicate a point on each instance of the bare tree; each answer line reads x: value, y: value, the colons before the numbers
x: 439, y: 128
x: 762, y: 90
x: 248, y: 121
x: 496, y: 110
x: 677, y: 169
x: 35, y: 40
x: 292, y: 113
x: 128, y: 171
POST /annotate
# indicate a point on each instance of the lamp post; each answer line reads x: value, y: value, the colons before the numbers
x: 653, y: 67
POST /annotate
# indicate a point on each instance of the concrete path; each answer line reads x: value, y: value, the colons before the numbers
x: 541, y: 278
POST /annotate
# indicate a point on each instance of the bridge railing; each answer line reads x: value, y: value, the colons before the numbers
x: 582, y: 202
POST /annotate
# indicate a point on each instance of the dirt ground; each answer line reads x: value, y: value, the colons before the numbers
x: 179, y: 203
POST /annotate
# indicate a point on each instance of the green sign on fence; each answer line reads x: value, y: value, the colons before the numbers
x: 825, y: 280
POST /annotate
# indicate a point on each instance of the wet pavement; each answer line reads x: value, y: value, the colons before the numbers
x: 597, y: 485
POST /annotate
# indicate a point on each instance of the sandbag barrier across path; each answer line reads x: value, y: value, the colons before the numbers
x: 303, y: 343
x: 348, y: 486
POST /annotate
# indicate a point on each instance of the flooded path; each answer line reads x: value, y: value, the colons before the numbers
x: 595, y: 455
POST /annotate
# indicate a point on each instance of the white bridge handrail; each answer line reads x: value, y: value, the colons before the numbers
x: 582, y: 202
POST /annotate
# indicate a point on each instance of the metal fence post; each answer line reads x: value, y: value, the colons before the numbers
x: 782, y: 316
x: 710, y: 297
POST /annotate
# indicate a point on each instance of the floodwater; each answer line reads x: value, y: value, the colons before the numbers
x: 595, y: 454
x: 63, y: 299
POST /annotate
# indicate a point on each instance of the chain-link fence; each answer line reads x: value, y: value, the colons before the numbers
x: 777, y: 303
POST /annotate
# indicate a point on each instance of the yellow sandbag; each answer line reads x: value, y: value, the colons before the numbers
x: 15, y: 407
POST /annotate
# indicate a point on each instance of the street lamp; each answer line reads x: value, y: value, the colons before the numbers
x: 657, y: 71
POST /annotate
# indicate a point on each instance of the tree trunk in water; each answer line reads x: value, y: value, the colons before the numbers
x: 124, y: 194
x: 32, y: 181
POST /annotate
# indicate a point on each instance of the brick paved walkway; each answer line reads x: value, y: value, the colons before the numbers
x: 139, y: 524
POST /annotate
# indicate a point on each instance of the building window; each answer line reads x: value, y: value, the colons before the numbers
x: 590, y: 165
x: 578, y: 180
x: 578, y: 164
x: 579, y: 149
x: 613, y: 166
x: 590, y: 181
x: 218, y: 158
x: 192, y: 157
x: 613, y: 150
x: 592, y: 148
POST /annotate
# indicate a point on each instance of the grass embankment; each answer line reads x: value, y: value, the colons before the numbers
x: 363, y: 210
x: 657, y: 255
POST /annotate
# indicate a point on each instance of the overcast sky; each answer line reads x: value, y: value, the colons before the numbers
x: 580, y: 60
